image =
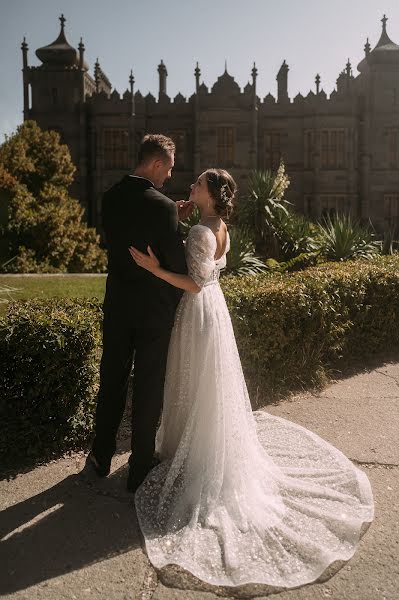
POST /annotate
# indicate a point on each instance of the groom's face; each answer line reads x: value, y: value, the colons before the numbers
x: 163, y: 170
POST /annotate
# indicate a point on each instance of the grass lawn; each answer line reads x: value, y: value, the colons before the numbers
x: 17, y: 287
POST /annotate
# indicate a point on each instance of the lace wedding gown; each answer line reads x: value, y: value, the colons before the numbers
x: 239, y: 497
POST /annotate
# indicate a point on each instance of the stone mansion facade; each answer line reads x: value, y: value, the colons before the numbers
x: 341, y: 151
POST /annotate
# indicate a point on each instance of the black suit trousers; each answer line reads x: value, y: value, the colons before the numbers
x: 147, y: 350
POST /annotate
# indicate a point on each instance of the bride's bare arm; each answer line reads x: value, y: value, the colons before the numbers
x: 151, y: 263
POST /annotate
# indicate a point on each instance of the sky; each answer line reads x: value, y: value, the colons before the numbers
x: 313, y: 36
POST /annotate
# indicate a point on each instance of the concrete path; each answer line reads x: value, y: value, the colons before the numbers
x: 67, y: 536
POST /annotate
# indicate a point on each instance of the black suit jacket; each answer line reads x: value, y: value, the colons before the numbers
x: 134, y: 213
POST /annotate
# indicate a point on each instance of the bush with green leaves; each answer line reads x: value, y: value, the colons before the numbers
x: 298, y: 263
x: 342, y: 238
x: 41, y: 226
x: 257, y: 210
x: 241, y: 258
x: 291, y: 328
x: 49, y: 355
x: 295, y: 234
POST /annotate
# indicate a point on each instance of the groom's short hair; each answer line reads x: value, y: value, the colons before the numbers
x: 155, y: 145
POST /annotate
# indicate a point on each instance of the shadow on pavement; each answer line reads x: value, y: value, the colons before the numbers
x: 65, y: 528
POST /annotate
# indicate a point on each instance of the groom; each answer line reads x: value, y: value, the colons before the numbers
x: 139, y: 308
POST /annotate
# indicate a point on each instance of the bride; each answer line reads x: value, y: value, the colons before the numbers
x: 239, y: 497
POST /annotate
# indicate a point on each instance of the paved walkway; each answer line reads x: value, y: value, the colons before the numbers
x: 66, y: 536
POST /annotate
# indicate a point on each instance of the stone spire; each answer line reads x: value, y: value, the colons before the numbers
x: 81, y: 49
x: 282, y: 83
x: 97, y: 75
x: 317, y: 80
x: 131, y: 80
x: 367, y: 47
x: 197, y: 74
x: 131, y: 84
x: 163, y: 73
x: 25, y: 77
x: 348, y: 69
x: 254, y: 120
x: 384, y: 24
x: 24, y: 48
x: 254, y: 74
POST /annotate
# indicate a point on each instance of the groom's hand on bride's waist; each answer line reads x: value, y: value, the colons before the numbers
x: 185, y: 209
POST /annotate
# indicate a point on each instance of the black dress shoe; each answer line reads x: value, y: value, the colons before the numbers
x: 101, y: 470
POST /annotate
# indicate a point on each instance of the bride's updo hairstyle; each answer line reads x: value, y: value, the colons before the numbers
x: 222, y: 189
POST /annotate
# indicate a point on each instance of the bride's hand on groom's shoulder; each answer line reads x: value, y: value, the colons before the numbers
x: 185, y: 209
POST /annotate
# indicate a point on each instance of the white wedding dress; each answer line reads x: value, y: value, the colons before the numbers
x: 239, y: 497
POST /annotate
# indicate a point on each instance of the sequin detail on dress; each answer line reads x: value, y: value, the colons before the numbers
x: 240, y: 497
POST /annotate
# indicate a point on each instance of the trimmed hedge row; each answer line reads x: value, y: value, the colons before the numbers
x: 290, y: 329
x: 49, y: 356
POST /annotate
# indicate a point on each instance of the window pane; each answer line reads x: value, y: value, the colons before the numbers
x: 225, y: 146
x: 116, y: 149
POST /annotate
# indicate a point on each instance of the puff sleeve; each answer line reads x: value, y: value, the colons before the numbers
x: 200, y: 254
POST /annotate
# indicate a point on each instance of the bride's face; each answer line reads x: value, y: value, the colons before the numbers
x: 200, y: 193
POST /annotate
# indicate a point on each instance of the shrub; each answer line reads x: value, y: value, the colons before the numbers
x: 36, y: 158
x: 42, y: 228
x: 264, y: 201
x: 292, y: 328
x: 49, y: 352
x: 241, y: 259
x: 341, y: 238
x: 294, y: 233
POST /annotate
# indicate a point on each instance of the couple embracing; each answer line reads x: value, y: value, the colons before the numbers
x: 238, y: 497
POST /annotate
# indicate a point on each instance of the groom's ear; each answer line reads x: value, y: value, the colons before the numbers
x: 157, y: 163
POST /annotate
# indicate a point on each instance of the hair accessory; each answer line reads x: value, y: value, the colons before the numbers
x: 223, y: 195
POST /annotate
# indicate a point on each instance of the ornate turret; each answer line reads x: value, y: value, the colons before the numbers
x: 282, y: 83
x: 59, y: 54
x: 386, y: 52
x: 226, y: 84
x: 101, y: 81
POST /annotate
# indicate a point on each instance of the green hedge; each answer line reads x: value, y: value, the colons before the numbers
x: 290, y: 329
x: 49, y: 356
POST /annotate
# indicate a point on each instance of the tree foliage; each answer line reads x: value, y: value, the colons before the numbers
x: 42, y: 227
x: 36, y: 158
